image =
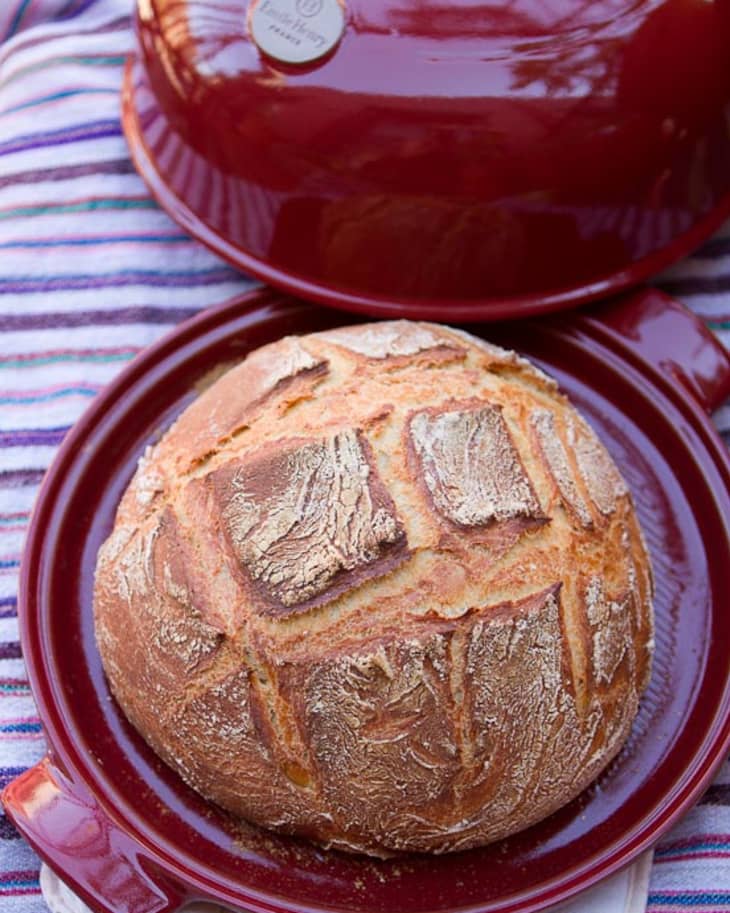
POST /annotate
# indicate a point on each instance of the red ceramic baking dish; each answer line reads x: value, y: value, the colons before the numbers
x: 448, y: 159
x: 130, y: 837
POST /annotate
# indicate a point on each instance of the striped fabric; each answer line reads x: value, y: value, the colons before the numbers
x: 91, y: 271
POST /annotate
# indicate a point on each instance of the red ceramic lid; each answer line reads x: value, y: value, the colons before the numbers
x: 128, y: 835
x: 452, y: 160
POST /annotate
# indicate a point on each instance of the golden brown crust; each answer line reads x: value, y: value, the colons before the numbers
x: 394, y: 339
x: 470, y: 465
x: 270, y: 378
x: 381, y: 587
x: 309, y: 519
x: 551, y: 448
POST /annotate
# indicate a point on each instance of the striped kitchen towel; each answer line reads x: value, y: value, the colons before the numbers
x: 91, y: 271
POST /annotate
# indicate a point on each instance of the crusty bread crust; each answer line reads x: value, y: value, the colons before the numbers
x: 381, y: 587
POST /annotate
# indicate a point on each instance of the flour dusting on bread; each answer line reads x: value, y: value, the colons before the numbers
x: 381, y: 587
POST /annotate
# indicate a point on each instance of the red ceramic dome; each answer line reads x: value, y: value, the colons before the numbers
x: 462, y: 159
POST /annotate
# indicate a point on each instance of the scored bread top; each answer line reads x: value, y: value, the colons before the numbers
x: 350, y: 552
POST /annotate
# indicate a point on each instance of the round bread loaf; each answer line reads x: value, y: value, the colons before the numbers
x: 381, y: 587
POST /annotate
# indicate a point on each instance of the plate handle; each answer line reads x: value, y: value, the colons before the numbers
x: 660, y: 331
x: 75, y: 836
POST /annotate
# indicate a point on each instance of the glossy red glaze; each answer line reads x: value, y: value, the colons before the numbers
x: 129, y: 836
x: 463, y: 160
x: 74, y: 834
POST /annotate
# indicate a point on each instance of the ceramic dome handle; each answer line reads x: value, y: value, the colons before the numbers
x: 74, y: 835
x: 655, y: 330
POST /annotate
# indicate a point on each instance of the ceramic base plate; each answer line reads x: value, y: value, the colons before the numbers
x: 126, y: 832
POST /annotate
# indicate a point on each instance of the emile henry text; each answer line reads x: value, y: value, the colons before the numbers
x: 290, y: 27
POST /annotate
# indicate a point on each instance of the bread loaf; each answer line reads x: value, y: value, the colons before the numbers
x: 381, y: 587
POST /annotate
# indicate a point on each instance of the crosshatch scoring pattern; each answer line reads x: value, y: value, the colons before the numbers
x: 388, y: 545
x: 91, y: 271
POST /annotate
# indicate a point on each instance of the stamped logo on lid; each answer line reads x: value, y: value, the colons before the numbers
x: 297, y: 31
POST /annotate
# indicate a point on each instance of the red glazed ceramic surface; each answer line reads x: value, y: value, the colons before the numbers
x: 131, y: 838
x: 456, y: 160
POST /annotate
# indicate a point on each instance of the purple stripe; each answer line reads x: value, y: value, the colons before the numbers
x: 10, y: 650
x: 121, y: 23
x: 97, y: 130
x: 8, y: 774
x: 67, y: 10
x: 20, y: 478
x: 8, y: 831
x: 715, y: 247
x: 15, y: 875
x: 70, y: 283
x: 71, y: 10
x: 21, y: 8
x: 717, y: 794
x: 8, y: 607
x: 112, y: 317
x: 123, y: 166
x: 27, y: 437
x: 697, y: 285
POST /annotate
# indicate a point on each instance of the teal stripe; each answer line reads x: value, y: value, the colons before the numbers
x: 15, y: 688
x: 83, y: 242
x: 21, y: 727
x: 14, y: 521
x: 82, y: 61
x: 88, y: 206
x: 45, y: 397
x: 54, y: 359
x: 20, y: 12
x: 144, y: 273
x: 57, y: 96
x: 691, y: 898
x: 693, y: 848
x: 718, y: 324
